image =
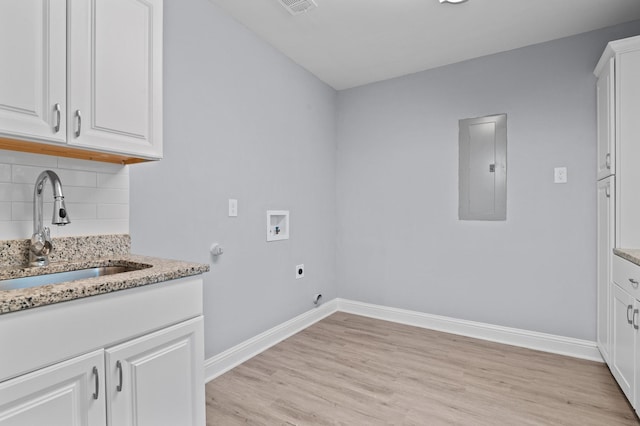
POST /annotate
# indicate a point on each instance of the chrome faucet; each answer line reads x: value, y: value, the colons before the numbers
x: 41, y: 240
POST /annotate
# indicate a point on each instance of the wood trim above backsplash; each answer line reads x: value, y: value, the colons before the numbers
x: 64, y: 150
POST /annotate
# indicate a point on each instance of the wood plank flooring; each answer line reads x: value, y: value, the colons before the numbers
x: 352, y: 370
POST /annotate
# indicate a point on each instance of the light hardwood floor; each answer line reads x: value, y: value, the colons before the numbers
x: 352, y: 370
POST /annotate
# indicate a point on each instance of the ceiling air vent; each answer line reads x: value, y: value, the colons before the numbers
x: 296, y: 7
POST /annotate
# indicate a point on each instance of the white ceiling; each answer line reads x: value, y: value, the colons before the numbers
x: 348, y: 43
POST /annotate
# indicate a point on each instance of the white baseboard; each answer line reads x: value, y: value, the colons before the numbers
x: 232, y: 357
x: 225, y: 361
x: 568, y: 346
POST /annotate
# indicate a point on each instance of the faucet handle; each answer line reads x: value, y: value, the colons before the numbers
x: 41, y: 243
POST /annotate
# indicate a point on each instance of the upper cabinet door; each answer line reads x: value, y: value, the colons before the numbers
x: 115, y: 76
x: 33, y: 72
x: 605, y: 91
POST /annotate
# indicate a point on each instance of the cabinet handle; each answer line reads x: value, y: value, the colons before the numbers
x: 629, y: 309
x: 633, y: 282
x: 607, y: 191
x: 635, y: 317
x: 119, y: 368
x: 56, y: 108
x: 608, y: 161
x: 79, y: 128
x: 97, y: 382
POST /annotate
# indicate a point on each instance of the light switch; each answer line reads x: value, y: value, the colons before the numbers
x: 233, y: 207
x: 560, y: 175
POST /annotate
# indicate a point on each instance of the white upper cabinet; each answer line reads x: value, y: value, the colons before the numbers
x: 84, y: 74
x: 33, y: 72
x: 618, y: 94
x: 628, y: 135
x: 605, y: 90
x: 115, y: 76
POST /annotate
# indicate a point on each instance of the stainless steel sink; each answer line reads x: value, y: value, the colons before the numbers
x: 61, y: 277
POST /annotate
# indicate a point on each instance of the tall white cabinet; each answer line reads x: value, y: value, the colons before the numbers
x: 606, y: 197
x: 618, y: 210
x: 128, y: 358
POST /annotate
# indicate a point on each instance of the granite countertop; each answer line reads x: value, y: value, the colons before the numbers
x: 83, y: 253
x: 632, y: 255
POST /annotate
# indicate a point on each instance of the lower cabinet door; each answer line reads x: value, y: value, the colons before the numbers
x: 606, y: 243
x: 636, y: 327
x: 70, y: 393
x: 158, y: 379
x: 623, y: 341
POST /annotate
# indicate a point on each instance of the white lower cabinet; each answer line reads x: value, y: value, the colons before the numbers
x: 624, y: 336
x: 131, y: 357
x: 157, y: 379
x: 153, y: 380
x: 70, y: 393
x: 625, y: 340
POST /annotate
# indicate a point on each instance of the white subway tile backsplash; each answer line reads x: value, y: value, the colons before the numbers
x: 119, y: 180
x: 21, y: 192
x: 77, y: 211
x: 16, y: 157
x: 113, y: 211
x: 13, y: 230
x: 29, y: 174
x: 6, y: 190
x: 24, y: 211
x: 81, y: 211
x: 77, y: 178
x: 5, y: 172
x: 5, y: 210
x: 89, y: 227
x: 96, y: 195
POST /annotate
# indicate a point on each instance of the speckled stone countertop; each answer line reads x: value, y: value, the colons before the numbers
x: 153, y: 270
x: 632, y: 255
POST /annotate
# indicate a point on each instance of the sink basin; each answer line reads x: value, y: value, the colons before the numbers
x: 60, y: 277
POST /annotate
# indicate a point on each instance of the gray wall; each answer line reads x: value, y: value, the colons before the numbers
x: 399, y: 241
x: 241, y: 121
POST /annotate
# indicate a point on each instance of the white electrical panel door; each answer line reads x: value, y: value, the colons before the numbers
x: 33, y: 73
x: 483, y: 168
x: 115, y: 76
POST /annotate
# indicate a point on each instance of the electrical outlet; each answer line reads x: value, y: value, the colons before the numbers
x: 299, y: 271
x: 560, y: 175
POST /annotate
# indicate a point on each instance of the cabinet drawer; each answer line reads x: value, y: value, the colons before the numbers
x: 627, y: 276
x: 45, y: 335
